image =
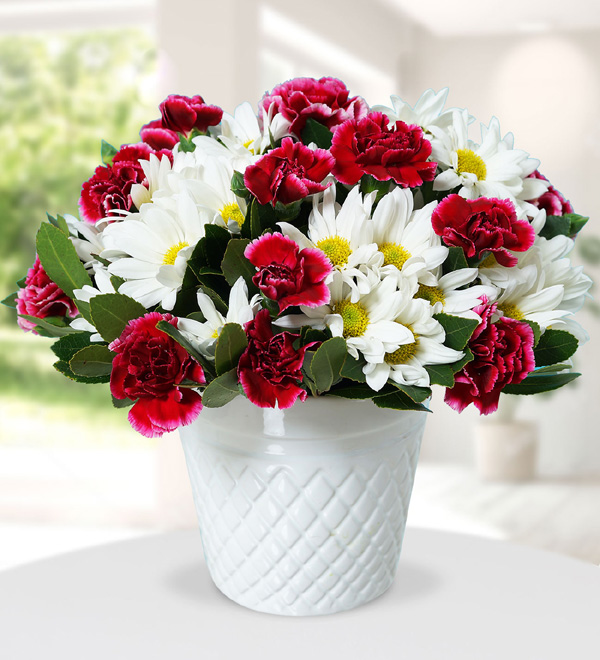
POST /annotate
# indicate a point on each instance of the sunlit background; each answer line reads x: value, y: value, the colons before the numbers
x: 73, y: 72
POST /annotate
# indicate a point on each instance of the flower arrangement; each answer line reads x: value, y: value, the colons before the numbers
x: 319, y: 247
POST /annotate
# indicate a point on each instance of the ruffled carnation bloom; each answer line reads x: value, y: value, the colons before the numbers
x: 157, y: 137
x: 270, y: 368
x: 287, y: 274
x: 503, y: 355
x: 482, y: 225
x: 41, y: 298
x: 371, y: 146
x: 288, y: 173
x: 149, y: 368
x: 552, y: 201
x: 326, y: 100
x: 110, y: 187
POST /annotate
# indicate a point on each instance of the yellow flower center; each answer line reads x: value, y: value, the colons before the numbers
x: 394, y: 255
x: 405, y: 352
x: 489, y: 261
x: 512, y: 311
x: 215, y: 334
x: 354, y: 316
x: 336, y: 248
x: 431, y: 293
x: 247, y: 144
x: 469, y: 161
x: 232, y: 212
x: 172, y: 252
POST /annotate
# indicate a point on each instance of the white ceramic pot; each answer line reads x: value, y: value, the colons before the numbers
x: 303, y: 511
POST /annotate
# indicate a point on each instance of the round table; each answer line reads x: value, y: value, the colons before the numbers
x: 455, y: 597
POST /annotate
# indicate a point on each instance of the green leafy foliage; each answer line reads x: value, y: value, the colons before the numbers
x: 111, y: 312
x: 92, y: 361
x: 66, y: 347
x: 51, y: 326
x: 554, y: 346
x: 235, y: 264
x: 232, y: 342
x: 455, y: 260
x: 370, y: 184
x: 327, y: 363
x: 238, y: 187
x: 537, y: 331
x: 399, y: 400
x: 63, y: 367
x: 315, y: 132
x: 107, y: 152
x: 353, y: 369
x: 535, y: 384
x: 221, y: 390
x: 11, y: 300
x: 458, y: 330
x: 122, y: 403
x: 59, y: 222
x: 59, y: 259
x: 569, y: 224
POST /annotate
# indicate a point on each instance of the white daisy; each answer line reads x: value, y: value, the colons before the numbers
x: 428, y: 110
x: 204, y: 335
x: 406, y: 365
x: 87, y: 240
x: 103, y: 285
x: 367, y: 324
x: 490, y: 169
x: 157, y: 178
x: 405, y: 238
x: 344, y: 233
x: 447, y: 294
x: 150, y: 250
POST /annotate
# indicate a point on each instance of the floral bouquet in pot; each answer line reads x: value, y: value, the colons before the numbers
x: 317, y: 247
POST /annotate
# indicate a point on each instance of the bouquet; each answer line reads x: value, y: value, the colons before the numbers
x: 319, y: 247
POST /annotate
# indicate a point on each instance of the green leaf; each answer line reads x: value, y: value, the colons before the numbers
x: 54, y: 326
x: 116, y: 281
x: 458, y: 330
x: 215, y: 239
x: 398, y: 401
x: 417, y: 394
x: 107, y: 152
x: 65, y: 370
x: 235, y: 264
x: 219, y: 303
x: 232, y: 342
x: 440, y: 374
x: 552, y: 369
x: 307, y: 378
x: 253, y: 221
x: 554, y: 346
x: 556, y: 225
x: 111, y: 312
x: 577, y: 221
x: 534, y: 384
x: 327, y: 363
x: 537, y: 332
x: 175, y: 334
x: 122, y: 403
x: 59, y: 259
x: 59, y: 222
x: 317, y: 133
x: 455, y: 260
x: 353, y: 369
x: 221, y: 390
x: 186, y: 144
x: 11, y: 301
x: 66, y: 347
x: 350, y: 390
x: 288, y: 212
x: 92, y: 361
x: 238, y: 187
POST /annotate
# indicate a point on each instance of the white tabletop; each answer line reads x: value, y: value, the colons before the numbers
x: 455, y: 598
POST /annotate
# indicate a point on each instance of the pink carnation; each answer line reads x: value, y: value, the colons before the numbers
x: 287, y: 274
x: 503, y: 355
x: 270, y: 368
x: 369, y: 146
x: 289, y: 173
x: 482, y: 225
x: 552, y: 201
x: 149, y: 368
x: 326, y: 100
x: 42, y: 298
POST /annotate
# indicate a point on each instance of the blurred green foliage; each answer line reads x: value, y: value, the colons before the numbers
x: 60, y: 95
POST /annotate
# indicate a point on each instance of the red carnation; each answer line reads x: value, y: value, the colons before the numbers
x: 325, y: 100
x: 110, y: 187
x: 369, y: 146
x: 158, y: 137
x: 482, y: 225
x: 41, y: 297
x: 183, y: 113
x: 503, y: 355
x: 269, y: 369
x: 552, y: 201
x: 287, y: 274
x: 289, y: 173
x: 149, y: 368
